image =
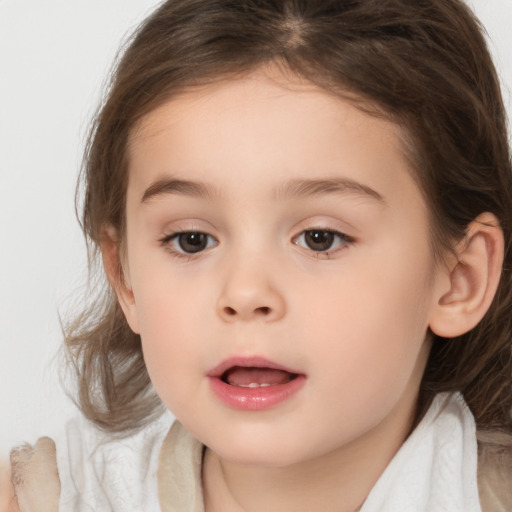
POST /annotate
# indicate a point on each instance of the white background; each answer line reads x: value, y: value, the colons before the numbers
x: 54, y: 57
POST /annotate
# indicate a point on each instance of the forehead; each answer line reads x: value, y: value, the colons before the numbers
x: 292, y: 97
x: 265, y: 128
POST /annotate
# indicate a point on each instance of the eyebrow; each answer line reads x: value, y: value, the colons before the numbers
x: 292, y: 189
x: 177, y: 186
x: 320, y: 187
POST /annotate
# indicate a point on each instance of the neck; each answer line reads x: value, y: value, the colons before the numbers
x: 339, y: 480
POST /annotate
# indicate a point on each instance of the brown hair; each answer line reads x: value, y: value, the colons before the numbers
x: 422, y: 63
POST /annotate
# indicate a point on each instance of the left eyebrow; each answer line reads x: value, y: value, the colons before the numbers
x: 345, y: 186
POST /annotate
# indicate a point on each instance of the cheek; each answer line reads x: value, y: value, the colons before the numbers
x: 168, y: 318
x: 370, y: 325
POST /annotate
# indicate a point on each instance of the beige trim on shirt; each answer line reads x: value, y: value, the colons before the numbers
x: 495, y: 471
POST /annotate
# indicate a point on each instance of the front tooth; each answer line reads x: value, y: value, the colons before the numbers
x: 254, y: 385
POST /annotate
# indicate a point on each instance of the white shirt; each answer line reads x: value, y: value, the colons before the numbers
x: 435, y: 470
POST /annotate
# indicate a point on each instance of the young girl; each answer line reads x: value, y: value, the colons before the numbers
x: 304, y: 211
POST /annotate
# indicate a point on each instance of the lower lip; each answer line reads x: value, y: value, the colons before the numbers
x: 255, y: 399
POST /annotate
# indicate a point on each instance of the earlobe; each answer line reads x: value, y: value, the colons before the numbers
x: 117, y: 276
x: 473, y: 279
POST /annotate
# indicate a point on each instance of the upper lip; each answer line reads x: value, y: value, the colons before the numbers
x: 248, y: 362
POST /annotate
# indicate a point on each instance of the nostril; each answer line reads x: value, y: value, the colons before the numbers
x: 263, y: 311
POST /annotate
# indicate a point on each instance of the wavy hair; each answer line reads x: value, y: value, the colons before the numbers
x: 424, y: 64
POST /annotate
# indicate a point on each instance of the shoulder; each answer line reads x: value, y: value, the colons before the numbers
x: 107, y: 471
x: 86, y: 468
x: 35, y: 478
x: 495, y: 470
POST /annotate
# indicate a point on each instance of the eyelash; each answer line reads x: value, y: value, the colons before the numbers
x: 171, y: 241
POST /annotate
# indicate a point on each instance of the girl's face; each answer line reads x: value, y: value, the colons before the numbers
x: 278, y: 270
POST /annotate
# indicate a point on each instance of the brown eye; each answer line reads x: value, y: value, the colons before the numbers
x: 318, y: 240
x: 191, y: 242
x: 322, y: 240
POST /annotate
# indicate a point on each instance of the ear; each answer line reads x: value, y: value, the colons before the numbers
x: 118, y: 275
x: 472, y: 279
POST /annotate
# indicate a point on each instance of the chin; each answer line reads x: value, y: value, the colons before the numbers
x: 258, y: 453
x: 260, y: 459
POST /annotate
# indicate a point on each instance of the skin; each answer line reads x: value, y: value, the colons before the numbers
x: 353, y: 319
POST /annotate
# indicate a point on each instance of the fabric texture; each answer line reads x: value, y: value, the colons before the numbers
x: 495, y: 471
x: 434, y: 471
x: 35, y: 478
x: 99, y: 472
x: 181, y: 461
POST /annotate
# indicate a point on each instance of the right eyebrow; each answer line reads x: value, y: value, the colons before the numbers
x: 177, y: 186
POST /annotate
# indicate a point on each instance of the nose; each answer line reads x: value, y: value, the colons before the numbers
x: 248, y: 294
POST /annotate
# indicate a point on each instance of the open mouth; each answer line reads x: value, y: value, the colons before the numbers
x: 256, y: 377
x: 254, y: 383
